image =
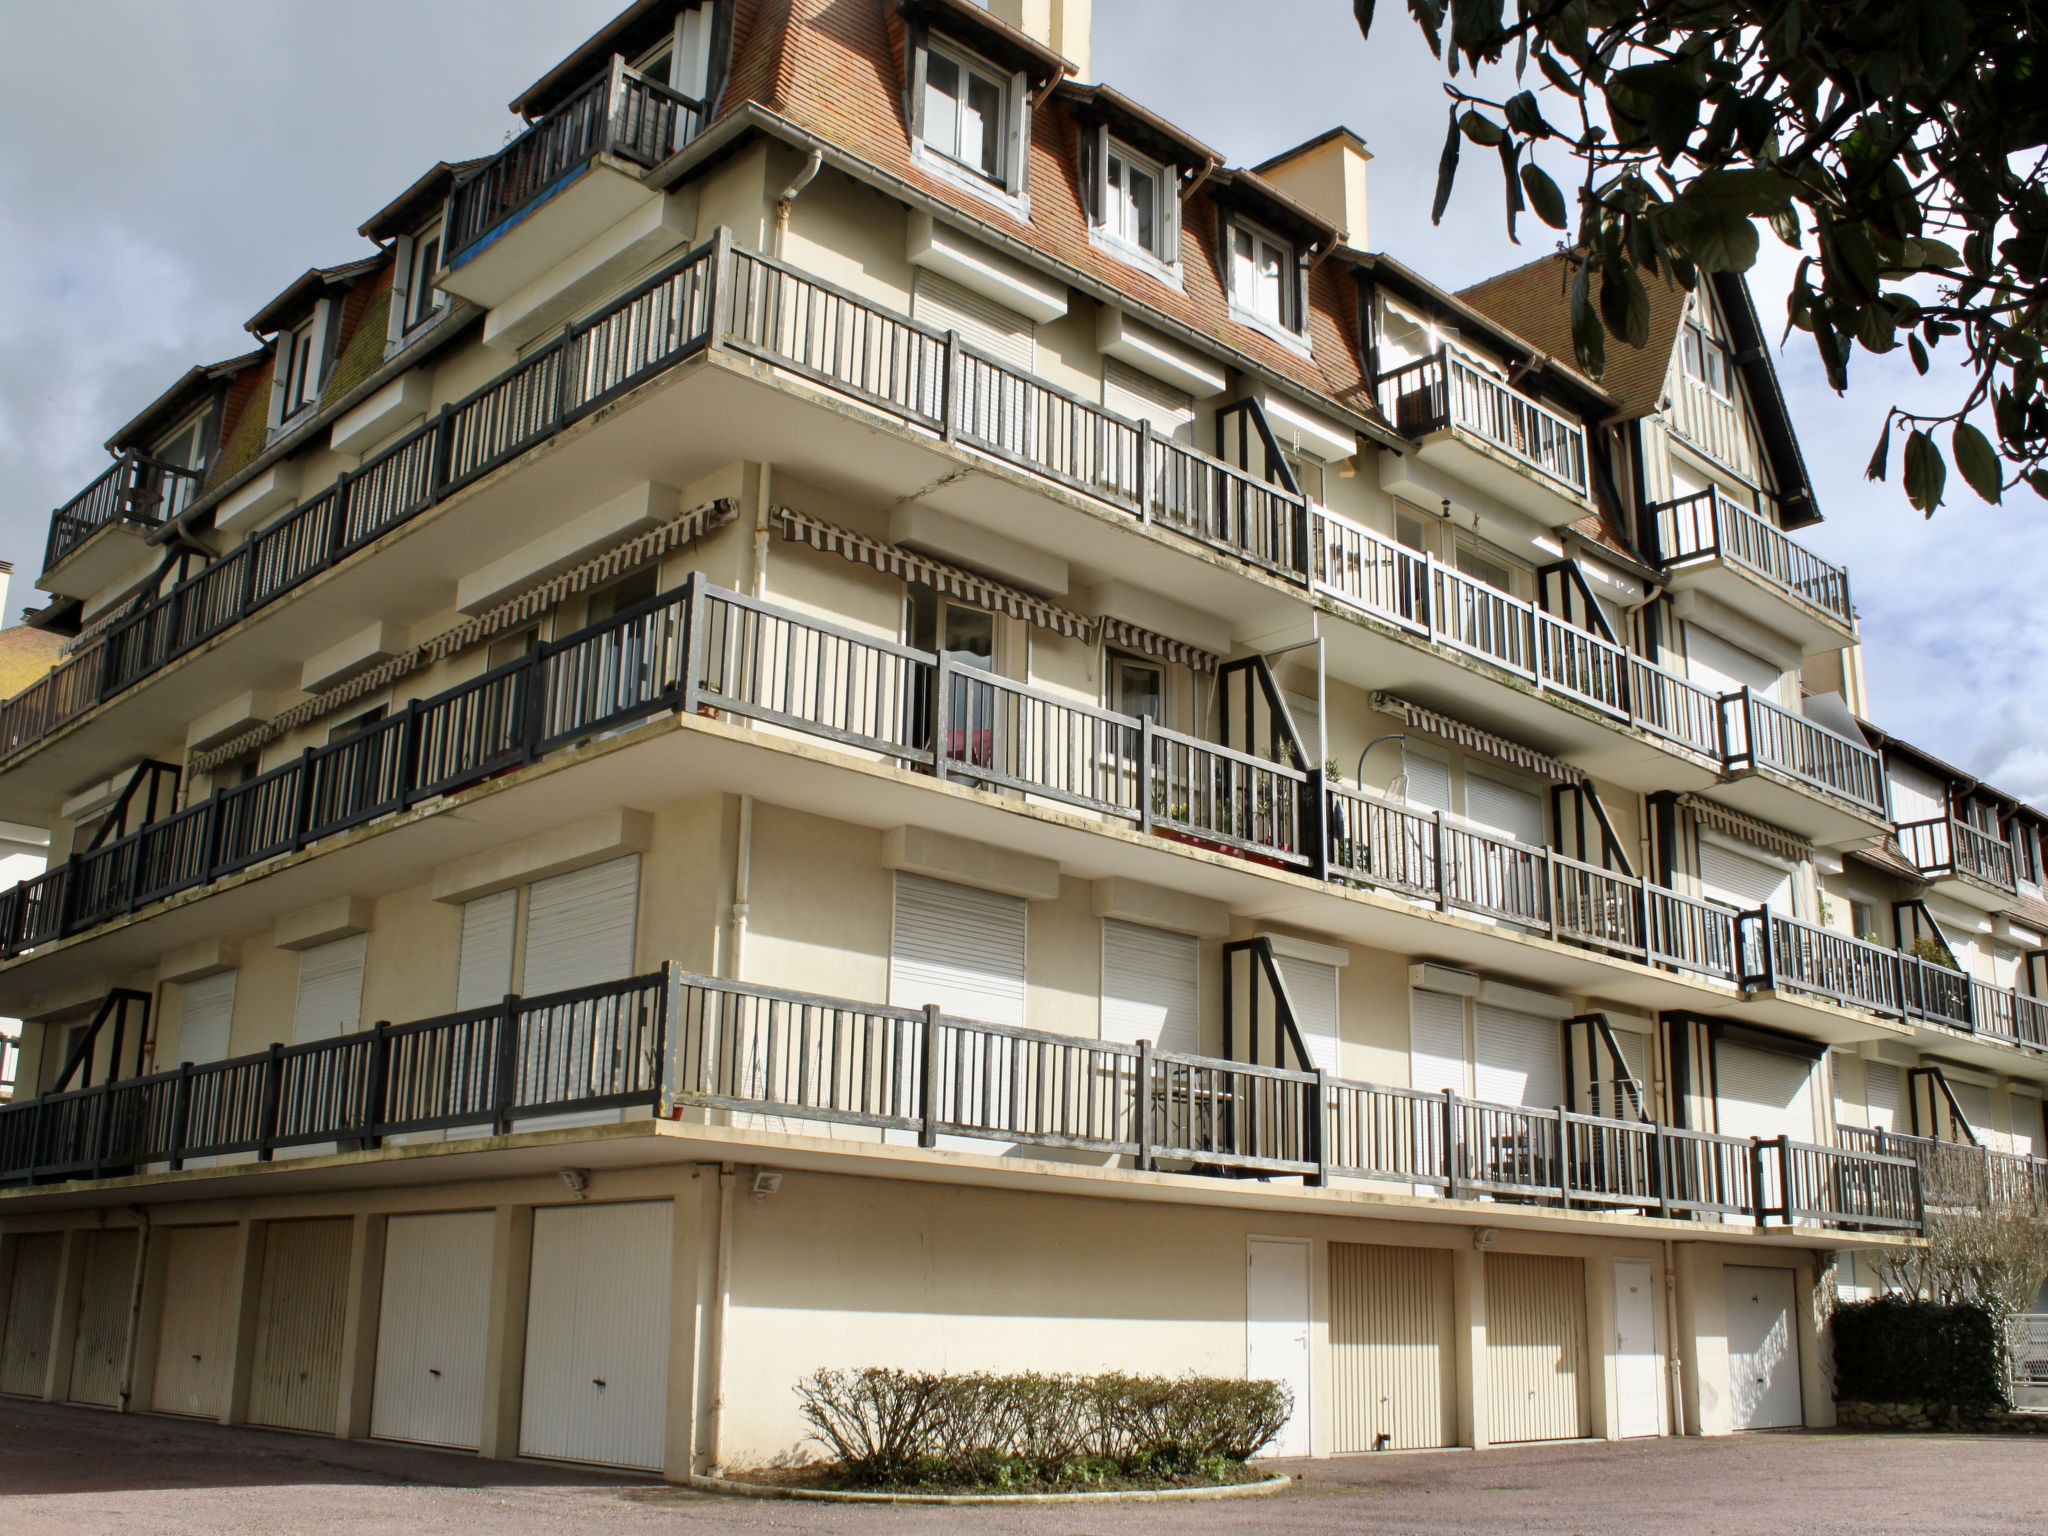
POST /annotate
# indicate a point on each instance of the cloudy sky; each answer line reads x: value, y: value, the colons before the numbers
x: 217, y: 148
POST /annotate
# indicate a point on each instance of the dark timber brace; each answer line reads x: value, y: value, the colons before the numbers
x: 113, y: 1006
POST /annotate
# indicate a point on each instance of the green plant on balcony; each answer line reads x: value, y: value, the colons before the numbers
x: 1930, y: 949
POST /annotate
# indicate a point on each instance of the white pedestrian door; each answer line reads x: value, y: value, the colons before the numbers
x: 597, y: 1334
x: 1763, y: 1349
x: 1276, y: 1330
x: 1637, y: 1377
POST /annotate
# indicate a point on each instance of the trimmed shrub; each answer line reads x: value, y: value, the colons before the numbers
x: 1896, y: 1349
x: 891, y: 1427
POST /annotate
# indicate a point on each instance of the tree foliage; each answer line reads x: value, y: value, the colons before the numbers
x: 1898, y: 145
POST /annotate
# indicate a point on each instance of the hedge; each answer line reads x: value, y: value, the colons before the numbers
x: 1896, y: 1349
x: 902, y: 1428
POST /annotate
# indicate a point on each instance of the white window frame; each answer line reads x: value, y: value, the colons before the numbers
x: 295, y: 389
x: 1289, y: 320
x: 1164, y: 248
x: 418, y: 275
x: 1011, y: 137
x: 1695, y: 345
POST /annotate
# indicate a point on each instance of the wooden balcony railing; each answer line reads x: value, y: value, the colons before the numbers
x: 1708, y: 526
x: 135, y: 489
x: 1947, y: 846
x: 674, y: 1042
x: 621, y: 113
x: 1760, y: 734
x: 1448, y: 389
x: 1955, y: 1175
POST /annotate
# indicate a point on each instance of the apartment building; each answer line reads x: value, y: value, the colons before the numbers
x: 854, y: 707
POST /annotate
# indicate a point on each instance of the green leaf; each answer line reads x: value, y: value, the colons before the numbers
x: 1875, y: 469
x: 1918, y: 353
x: 1717, y: 238
x: 1480, y: 131
x: 1978, y: 461
x: 1625, y: 303
x: 1525, y: 117
x: 2037, y: 481
x: 1362, y: 9
x: 1589, y: 336
x: 1430, y: 17
x: 1926, y: 472
x: 1509, y: 156
x: 1560, y: 78
x: 1446, y: 172
x: 1544, y: 197
x: 1674, y: 114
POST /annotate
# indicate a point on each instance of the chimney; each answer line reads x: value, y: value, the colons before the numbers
x: 1062, y: 25
x: 6, y: 578
x: 1326, y: 176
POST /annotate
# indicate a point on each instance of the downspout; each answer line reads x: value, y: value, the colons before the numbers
x: 1674, y: 1375
x: 721, y: 1286
x: 791, y: 193
x: 134, y: 1308
x: 742, y: 887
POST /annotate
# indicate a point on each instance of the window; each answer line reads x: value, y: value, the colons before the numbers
x: 512, y: 647
x: 622, y: 594
x: 295, y: 356
x: 1483, y: 567
x: 2026, y: 851
x: 960, y: 947
x: 1705, y: 360
x: 1863, y: 919
x: 1150, y: 986
x: 1263, y: 277
x: 1133, y: 208
x: 965, y: 111
x: 357, y: 722
x: 966, y: 635
x: 1137, y: 687
x: 423, y: 300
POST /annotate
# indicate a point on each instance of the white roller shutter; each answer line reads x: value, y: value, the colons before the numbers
x: 1741, y: 881
x: 579, y: 927
x: 1975, y: 1103
x: 2026, y: 1123
x: 1916, y: 795
x: 958, y: 947
x: 1149, y: 986
x: 1140, y: 397
x: 1713, y: 663
x: 207, y: 1018
x: 1881, y: 1094
x: 1436, y: 1042
x: 1312, y: 987
x: 483, y: 968
x: 330, y: 1000
x: 1762, y: 1093
x: 1429, y: 780
x: 1518, y: 1058
x: 1504, y: 809
x: 982, y: 323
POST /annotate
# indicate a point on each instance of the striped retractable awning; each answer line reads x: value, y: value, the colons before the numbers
x: 1760, y: 834
x: 1473, y: 739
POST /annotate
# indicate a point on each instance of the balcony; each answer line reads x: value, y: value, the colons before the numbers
x: 676, y: 1044
x: 575, y: 171
x: 134, y: 496
x: 1956, y: 1175
x: 1798, y: 773
x: 1491, y: 435
x: 1962, y: 861
x: 1710, y: 544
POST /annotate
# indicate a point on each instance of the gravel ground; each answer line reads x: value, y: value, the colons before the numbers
x: 80, y: 1472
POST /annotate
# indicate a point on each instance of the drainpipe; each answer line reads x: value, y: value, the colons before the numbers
x: 791, y: 193
x: 134, y: 1308
x: 1674, y: 1372
x: 764, y: 486
x: 742, y: 887
x: 721, y: 1286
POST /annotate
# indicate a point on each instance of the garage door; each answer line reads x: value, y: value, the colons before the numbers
x: 1389, y: 1356
x: 99, y: 1345
x: 31, y: 1312
x: 1763, y: 1349
x: 431, y: 1329
x: 596, y: 1386
x: 295, y: 1380
x: 1535, y: 1347
x: 195, y: 1342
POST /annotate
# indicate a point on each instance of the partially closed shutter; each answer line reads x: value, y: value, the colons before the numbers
x: 1518, y: 1058
x: 1149, y: 986
x: 958, y: 947
x: 1975, y: 1103
x: 1714, y: 664
x: 1312, y: 987
x: 579, y: 927
x: 1742, y: 882
x: 1882, y: 1094
x: 1504, y: 809
x: 982, y: 323
x: 483, y: 967
x: 206, y: 1018
x: 1140, y: 397
x: 330, y: 998
x: 2026, y: 1123
x: 1436, y: 1042
x: 1762, y: 1093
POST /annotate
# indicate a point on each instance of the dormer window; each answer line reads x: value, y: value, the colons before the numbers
x: 1265, y: 278
x: 422, y: 299
x: 965, y: 109
x: 1138, y: 204
x: 296, y: 360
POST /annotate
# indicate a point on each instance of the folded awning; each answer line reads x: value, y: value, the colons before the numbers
x: 1473, y: 739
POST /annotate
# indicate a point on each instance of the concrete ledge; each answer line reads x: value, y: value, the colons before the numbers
x: 921, y: 851
x: 335, y: 918
x: 579, y: 844
x: 746, y: 1490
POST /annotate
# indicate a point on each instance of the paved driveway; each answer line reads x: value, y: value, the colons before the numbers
x: 79, y: 1472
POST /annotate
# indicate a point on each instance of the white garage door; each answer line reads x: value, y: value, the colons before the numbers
x: 1149, y: 986
x: 958, y: 947
x: 596, y: 1386
x: 1763, y: 1349
x: 431, y: 1329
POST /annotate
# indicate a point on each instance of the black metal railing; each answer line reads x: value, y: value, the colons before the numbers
x: 1948, y: 845
x: 1708, y: 526
x: 620, y: 113
x: 135, y: 489
x: 1956, y: 1175
x: 1761, y: 734
x: 674, y: 1042
x: 1449, y: 389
